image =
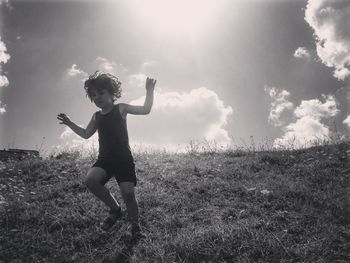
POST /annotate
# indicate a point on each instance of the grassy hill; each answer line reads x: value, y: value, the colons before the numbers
x: 232, y: 206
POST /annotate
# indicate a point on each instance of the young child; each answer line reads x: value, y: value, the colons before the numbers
x: 115, y: 157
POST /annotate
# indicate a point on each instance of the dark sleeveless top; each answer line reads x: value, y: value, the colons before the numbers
x: 113, y: 135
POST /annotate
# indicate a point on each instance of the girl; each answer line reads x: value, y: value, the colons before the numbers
x: 115, y: 157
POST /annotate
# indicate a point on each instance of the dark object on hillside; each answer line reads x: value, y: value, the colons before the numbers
x: 18, y: 154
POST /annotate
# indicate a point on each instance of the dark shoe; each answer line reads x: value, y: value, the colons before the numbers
x: 113, y: 217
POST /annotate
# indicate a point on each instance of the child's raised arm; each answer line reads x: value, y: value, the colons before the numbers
x: 146, y: 108
x: 84, y: 133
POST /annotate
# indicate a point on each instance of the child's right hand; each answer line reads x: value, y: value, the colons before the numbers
x: 150, y: 83
x: 64, y: 118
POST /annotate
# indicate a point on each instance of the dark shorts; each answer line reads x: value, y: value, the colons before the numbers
x: 123, y: 171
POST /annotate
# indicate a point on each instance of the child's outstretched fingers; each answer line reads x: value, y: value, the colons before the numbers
x: 63, y: 118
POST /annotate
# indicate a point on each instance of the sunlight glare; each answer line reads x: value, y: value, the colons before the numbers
x: 176, y: 16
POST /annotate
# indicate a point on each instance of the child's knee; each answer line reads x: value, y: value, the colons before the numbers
x: 91, y: 181
x: 95, y: 177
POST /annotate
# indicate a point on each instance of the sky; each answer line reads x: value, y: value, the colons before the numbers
x: 227, y: 71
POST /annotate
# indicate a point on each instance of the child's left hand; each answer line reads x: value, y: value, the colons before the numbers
x: 150, y: 83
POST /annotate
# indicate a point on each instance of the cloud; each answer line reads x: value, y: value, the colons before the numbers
x: 302, y: 52
x: 299, y: 133
x: 2, y: 108
x: 101, y: 63
x: 330, y: 21
x: 316, y: 109
x: 176, y: 118
x: 111, y: 66
x: 347, y: 121
x: 4, y: 82
x: 74, y: 71
x: 149, y: 63
x: 138, y: 80
x: 132, y: 83
x: 341, y: 73
x: 4, y: 56
x: 308, y: 125
x: 6, y: 3
x: 119, y: 70
x: 279, y: 105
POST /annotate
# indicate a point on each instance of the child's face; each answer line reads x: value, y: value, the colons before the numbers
x: 101, y: 98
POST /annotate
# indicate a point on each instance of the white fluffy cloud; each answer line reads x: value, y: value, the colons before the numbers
x: 177, y: 118
x: 75, y: 71
x: 2, y: 108
x: 100, y: 63
x: 330, y: 21
x: 137, y: 80
x: 6, y: 3
x: 110, y: 66
x: 4, y: 57
x: 279, y: 105
x: 316, y: 109
x: 302, y: 52
x: 347, y: 121
x: 4, y: 82
x: 308, y: 125
x: 149, y: 63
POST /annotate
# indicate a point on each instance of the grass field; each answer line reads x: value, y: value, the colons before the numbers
x: 211, y: 206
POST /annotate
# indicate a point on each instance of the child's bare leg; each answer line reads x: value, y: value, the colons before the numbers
x: 95, y: 181
x: 128, y: 193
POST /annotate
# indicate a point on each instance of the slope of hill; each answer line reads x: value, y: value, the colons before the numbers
x: 286, y: 206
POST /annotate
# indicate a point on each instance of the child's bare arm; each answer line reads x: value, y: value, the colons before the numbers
x: 91, y: 128
x: 84, y: 133
x: 146, y: 108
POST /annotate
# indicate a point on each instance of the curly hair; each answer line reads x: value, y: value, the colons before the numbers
x: 101, y: 80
